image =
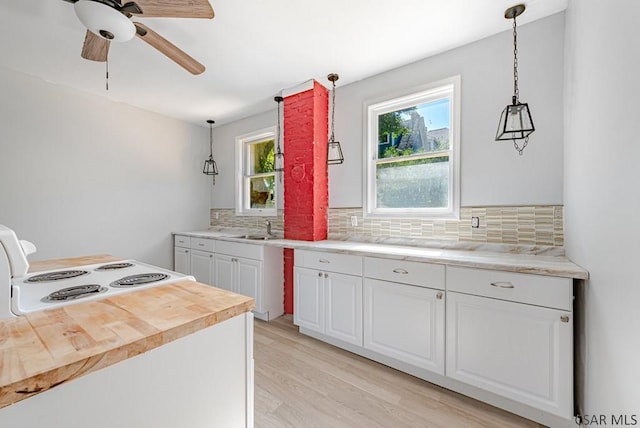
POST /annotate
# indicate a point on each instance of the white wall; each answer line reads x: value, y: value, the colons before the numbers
x: 492, y: 173
x: 83, y: 175
x: 602, y: 200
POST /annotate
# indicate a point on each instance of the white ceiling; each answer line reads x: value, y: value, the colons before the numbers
x: 252, y: 49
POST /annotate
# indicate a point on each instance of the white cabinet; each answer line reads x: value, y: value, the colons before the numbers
x: 404, y: 311
x: 182, y: 260
x: 252, y: 270
x: 202, y: 266
x: 508, y: 343
x: 405, y: 322
x: 308, y: 295
x: 237, y: 274
x: 326, y: 301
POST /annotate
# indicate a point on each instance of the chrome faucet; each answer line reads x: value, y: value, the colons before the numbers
x: 268, y: 223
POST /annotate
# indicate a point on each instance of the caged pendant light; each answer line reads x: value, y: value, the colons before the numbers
x: 334, y: 153
x: 279, y: 156
x: 515, y: 121
x: 210, y: 167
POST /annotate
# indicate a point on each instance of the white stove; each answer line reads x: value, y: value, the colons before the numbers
x: 25, y: 293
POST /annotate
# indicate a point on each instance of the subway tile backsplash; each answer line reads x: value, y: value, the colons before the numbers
x: 538, y: 225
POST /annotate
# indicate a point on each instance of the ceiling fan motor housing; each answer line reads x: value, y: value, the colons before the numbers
x: 104, y: 21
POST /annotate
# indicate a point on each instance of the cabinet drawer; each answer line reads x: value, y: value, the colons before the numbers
x: 330, y: 262
x: 182, y: 241
x: 248, y: 251
x: 203, y: 244
x: 549, y: 291
x: 415, y: 273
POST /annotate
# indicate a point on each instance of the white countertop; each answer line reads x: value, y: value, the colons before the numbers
x: 509, y: 260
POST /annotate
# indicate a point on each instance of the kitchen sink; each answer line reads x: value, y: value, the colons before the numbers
x: 257, y: 237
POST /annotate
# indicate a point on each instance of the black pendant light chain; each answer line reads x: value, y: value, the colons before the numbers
x: 278, y: 162
x: 516, y: 90
x: 333, y: 110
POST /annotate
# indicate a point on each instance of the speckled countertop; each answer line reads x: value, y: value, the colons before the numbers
x: 534, y: 260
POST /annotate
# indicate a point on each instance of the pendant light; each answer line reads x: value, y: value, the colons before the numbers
x: 278, y: 164
x: 515, y: 121
x: 210, y: 167
x: 334, y: 153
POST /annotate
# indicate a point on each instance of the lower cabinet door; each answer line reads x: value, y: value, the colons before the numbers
x: 522, y: 352
x: 343, y: 307
x: 181, y: 260
x: 308, y: 295
x: 249, y: 280
x: 223, y: 272
x: 202, y: 266
x: 406, y: 323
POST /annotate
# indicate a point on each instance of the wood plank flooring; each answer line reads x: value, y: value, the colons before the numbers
x: 304, y: 383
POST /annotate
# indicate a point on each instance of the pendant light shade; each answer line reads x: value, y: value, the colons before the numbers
x: 515, y: 122
x: 334, y: 151
x: 210, y: 167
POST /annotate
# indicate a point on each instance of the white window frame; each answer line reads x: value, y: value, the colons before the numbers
x: 243, y: 206
x: 397, y: 101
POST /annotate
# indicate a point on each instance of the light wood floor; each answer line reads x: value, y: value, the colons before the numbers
x: 304, y: 383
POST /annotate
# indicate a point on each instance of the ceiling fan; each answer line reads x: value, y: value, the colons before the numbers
x: 110, y: 20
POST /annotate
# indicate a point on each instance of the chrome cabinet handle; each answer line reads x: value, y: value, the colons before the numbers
x: 186, y: 251
x: 326, y: 275
x: 200, y: 245
x: 503, y: 284
x: 439, y: 295
x: 210, y: 256
x: 324, y: 261
x: 319, y: 274
x: 564, y: 318
x: 401, y: 271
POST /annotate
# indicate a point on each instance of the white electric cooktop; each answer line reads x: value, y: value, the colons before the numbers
x: 61, y: 287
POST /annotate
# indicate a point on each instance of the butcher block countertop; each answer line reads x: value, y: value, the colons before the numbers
x: 43, y: 349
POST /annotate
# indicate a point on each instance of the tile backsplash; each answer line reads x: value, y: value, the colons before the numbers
x: 539, y: 225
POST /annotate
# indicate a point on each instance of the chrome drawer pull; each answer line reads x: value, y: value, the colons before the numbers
x: 326, y: 275
x: 439, y: 295
x: 502, y: 284
x: 324, y: 261
x: 402, y: 271
x: 564, y: 318
x: 320, y: 274
x: 200, y: 245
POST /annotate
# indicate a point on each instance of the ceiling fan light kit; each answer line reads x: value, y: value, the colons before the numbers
x: 104, y: 21
x: 110, y: 20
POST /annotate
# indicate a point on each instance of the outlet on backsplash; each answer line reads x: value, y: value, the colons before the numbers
x: 354, y: 221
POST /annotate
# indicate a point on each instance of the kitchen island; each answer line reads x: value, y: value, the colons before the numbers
x: 173, y: 355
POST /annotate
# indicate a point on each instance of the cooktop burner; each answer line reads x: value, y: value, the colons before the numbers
x: 55, y: 276
x: 139, y: 279
x: 115, y: 266
x: 72, y: 293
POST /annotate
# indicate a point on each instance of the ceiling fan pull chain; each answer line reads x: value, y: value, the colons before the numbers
x: 107, y: 74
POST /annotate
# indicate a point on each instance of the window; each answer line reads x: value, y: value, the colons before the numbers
x: 256, y: 179
x: 412, y: 153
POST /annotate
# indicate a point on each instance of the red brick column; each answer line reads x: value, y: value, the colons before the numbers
x: 306, y: 192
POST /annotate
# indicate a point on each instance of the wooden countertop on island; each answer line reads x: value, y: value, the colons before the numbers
x: 41, y: 350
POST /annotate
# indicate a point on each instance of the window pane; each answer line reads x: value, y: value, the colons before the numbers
x: 261, y: 157
x: 262, y: 192
x: 422, y: 128
x: 418, y: 183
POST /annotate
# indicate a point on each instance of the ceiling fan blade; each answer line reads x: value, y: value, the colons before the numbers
x: 176, y: 9
x: 95, y: 48
x: 169, y: 49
